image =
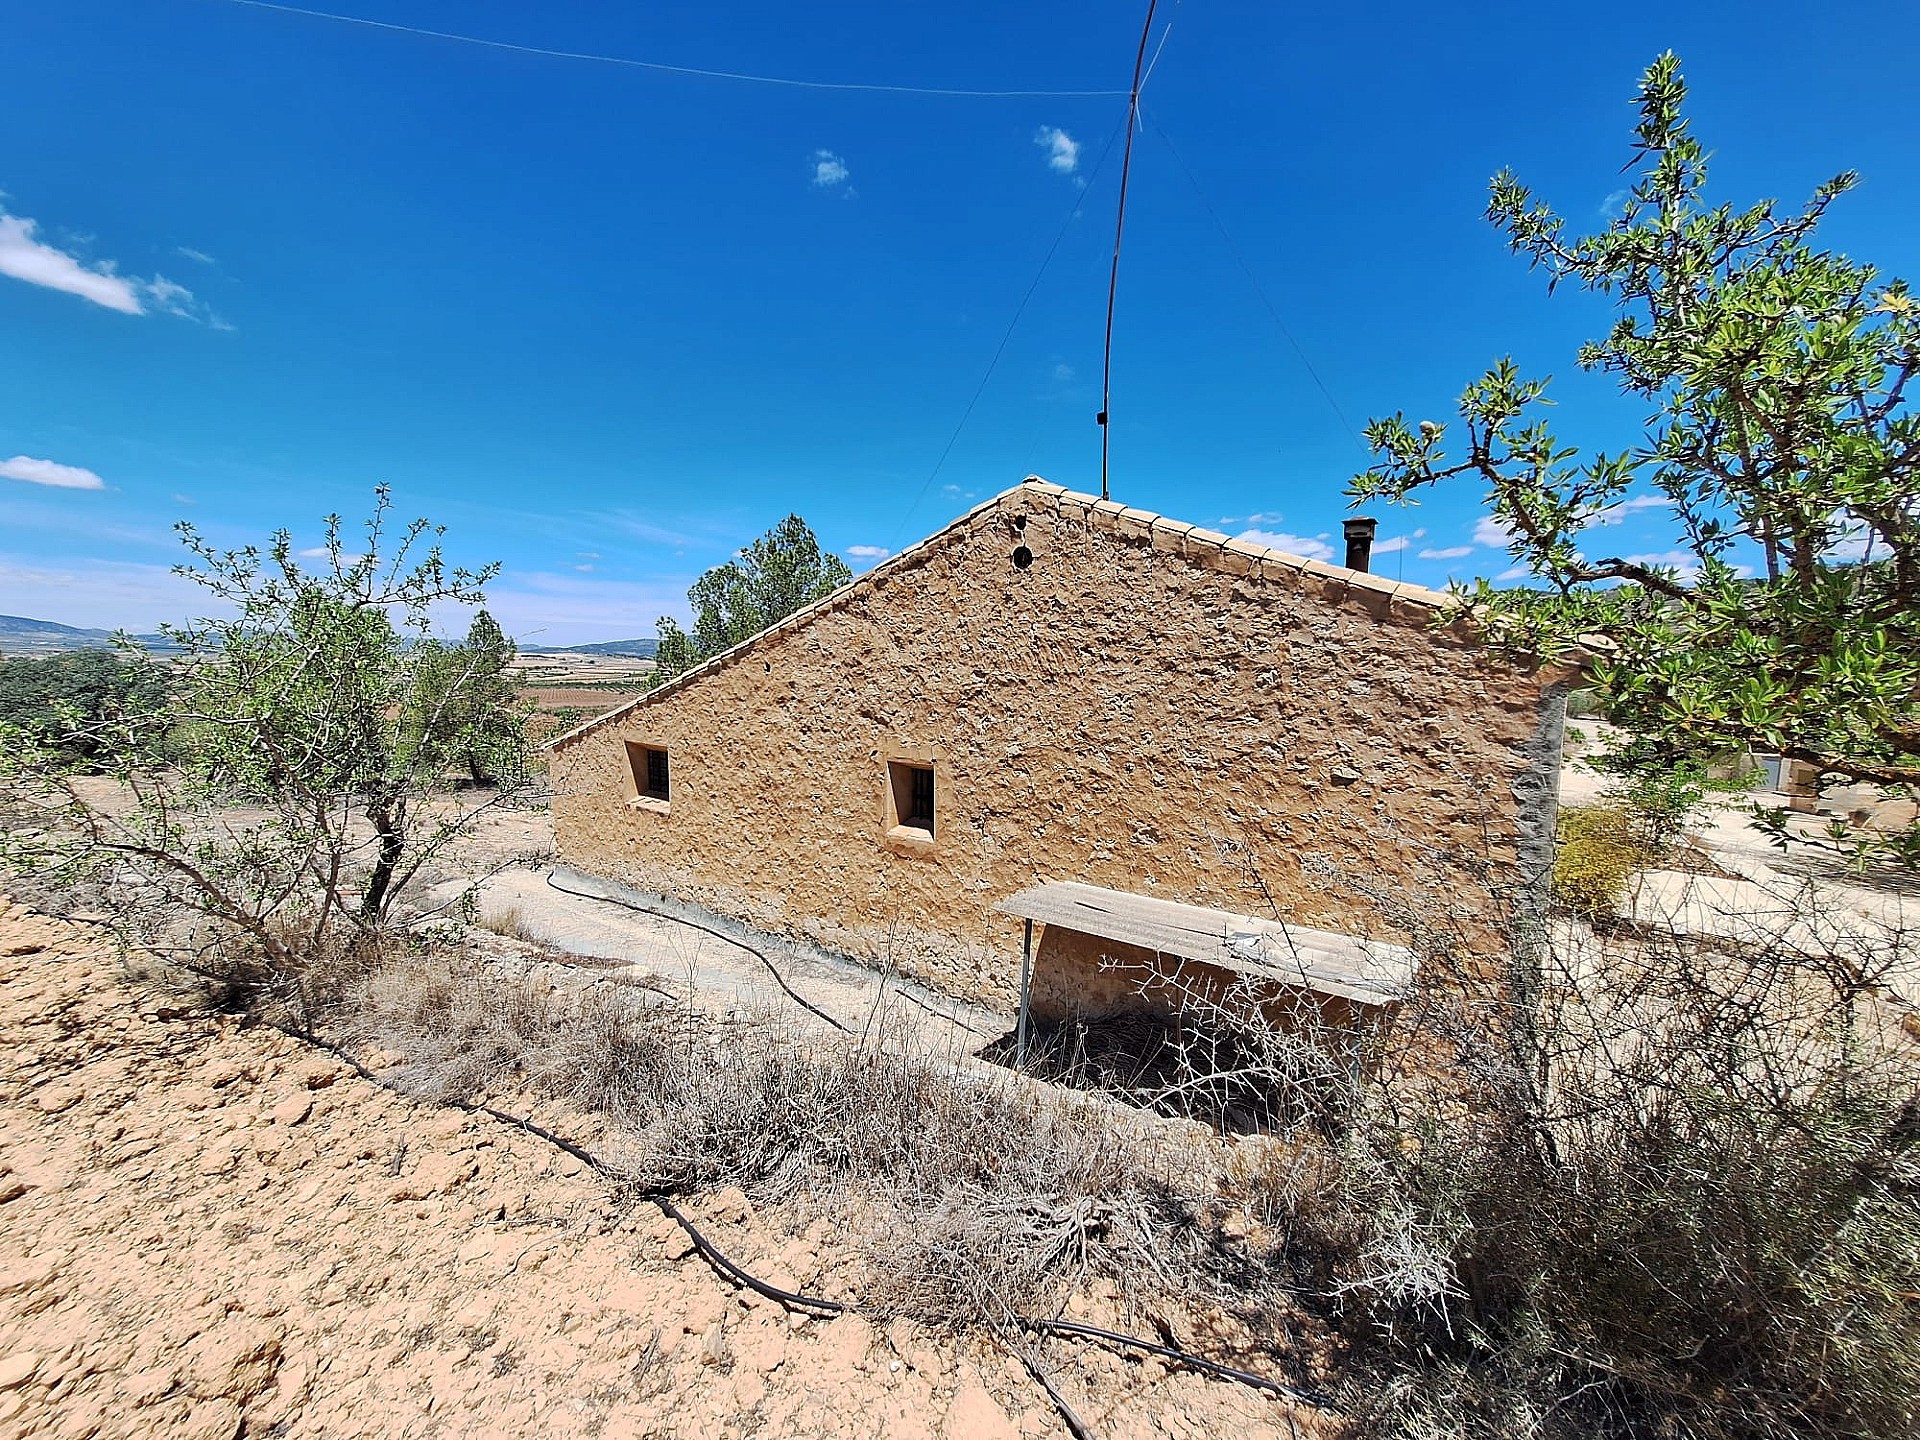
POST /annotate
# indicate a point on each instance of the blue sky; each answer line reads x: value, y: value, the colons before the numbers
x: 607, y: 323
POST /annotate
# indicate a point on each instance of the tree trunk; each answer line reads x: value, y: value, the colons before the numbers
x: 386, y: 830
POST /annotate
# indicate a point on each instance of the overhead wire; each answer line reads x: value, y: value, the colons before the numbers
x: 1165, y: 35
x: 1245, y: 269
x: 698, y: 72
x: 1073, y: 212
x: 1119, y: 228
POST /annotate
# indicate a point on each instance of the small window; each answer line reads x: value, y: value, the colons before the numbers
x: 650, y: 777
x: 912, y: 787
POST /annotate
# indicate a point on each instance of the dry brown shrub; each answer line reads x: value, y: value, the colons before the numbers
x: 974, y: 1194
x: 509, y: 921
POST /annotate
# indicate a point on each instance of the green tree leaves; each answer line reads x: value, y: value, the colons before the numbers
x: 467, y: 707
x: 783, y: 571
x: 305, y: 780
x: 1780, y: 440
x: 66, y: 699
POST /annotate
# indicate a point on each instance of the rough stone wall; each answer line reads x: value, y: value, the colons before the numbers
x: 1077, y: 976
x: 1146, y: 706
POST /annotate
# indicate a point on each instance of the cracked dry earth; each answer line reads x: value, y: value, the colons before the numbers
x: 215, y: 1231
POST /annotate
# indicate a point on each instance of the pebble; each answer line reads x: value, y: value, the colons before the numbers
x: 292, y: 1110
x: 53, y: 1099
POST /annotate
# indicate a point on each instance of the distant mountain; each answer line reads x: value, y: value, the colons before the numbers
x: 632, y: 649
x: 21, y: 636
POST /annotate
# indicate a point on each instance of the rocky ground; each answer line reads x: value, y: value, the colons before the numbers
x: 213, y: 1230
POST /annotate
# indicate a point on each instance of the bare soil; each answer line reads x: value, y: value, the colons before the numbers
x: 211, y: 1229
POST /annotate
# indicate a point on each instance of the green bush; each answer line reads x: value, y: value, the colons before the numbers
x: 1600, y: 847
x: 64, y: 700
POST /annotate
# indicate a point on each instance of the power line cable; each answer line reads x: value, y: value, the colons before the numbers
x: 1073, y: 211
x: 666, y: 69
x: 1245, y: 269
x: 1119, y: 225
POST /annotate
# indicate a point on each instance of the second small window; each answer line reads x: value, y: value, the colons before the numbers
x: 912, y: 795
x: 650, y: 777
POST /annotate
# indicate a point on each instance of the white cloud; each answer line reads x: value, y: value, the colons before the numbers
x: 1451, y: 552
x: 584, y: 569
x: 101, y: 594
x: 1615, y: 202
x: 1271, y: 517
x: 628, y: 522
x: 543, y: 608
x: 1063, y: 373
x: 868, y: 552
x: 1063, y: 151
x: 314, y: 552
x: 1398, y: 542
x: 1684, y: 561
x: 829, y: 169
x: 27, y: 258
x: 1489, y: 531
x: 1617, y: 512
x: 1301, y: 545
x: 50, y: 472
x: 1519, y: 572
x: 172, y: 298
x: 199, y: 257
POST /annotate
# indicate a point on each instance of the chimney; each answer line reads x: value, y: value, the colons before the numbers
x: 1359, y: 541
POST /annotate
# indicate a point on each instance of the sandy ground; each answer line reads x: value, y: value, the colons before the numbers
x: 212, y: 1230
x: 215, y: 1231
x: 1766, y: 898
x: 579, y: 914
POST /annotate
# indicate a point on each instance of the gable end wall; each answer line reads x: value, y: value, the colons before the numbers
x: 1148, y: 707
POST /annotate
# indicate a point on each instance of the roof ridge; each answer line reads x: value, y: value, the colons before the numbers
x: 805, y: 612
x: 1194, y: 543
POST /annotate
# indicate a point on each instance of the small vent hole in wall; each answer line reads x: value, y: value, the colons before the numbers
x: 1022, y: 557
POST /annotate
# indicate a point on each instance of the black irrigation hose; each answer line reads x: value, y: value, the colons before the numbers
x: 715, y: 1257
x: 933, y: 1010
x: 1065, y: 1329
x: 1073, y: 1329
x: 732, y: 940
x: 778, y: 978
x: 725, y: 1266
x: 720, y: 1262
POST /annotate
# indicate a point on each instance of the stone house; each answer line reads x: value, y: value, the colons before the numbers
x: 1155, y: 742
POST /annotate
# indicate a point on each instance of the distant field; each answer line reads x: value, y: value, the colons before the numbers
x: 597, y: 699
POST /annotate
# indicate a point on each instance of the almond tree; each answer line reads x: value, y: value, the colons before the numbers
x: 1782, y: 442
x: 303, y: 783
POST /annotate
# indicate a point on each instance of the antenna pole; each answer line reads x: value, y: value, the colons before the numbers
x: 1119, y: 221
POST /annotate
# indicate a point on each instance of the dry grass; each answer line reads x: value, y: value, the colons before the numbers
x: 510, y: 922
x: 974, y: 1195
x: 1639, y: 1186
